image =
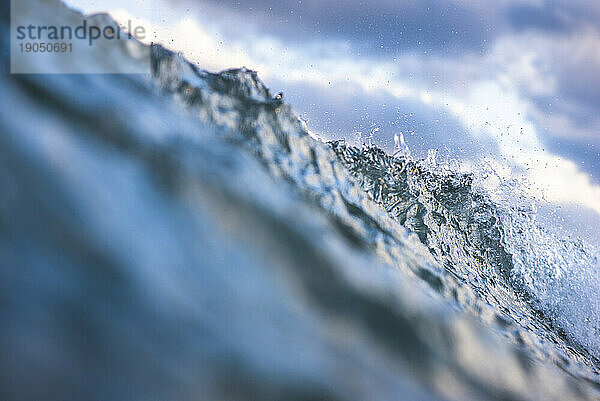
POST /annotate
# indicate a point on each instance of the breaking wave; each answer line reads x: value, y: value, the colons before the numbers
x: 182, y: 233
x: 537, y: 278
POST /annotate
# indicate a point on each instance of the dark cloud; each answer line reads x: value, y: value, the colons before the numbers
x: 528, y: 17
x: 386, y: 26
x: 553, y: 15
x: 383, y: 26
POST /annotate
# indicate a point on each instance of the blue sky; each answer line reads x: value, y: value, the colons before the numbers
x: 507, y: 84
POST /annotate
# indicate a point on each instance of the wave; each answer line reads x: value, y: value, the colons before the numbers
x: 496, y: 247
x: 516, y: 273
x: 182, y: 232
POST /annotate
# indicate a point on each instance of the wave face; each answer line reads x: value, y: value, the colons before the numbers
x: 539, y: 280
x: 181, y: 235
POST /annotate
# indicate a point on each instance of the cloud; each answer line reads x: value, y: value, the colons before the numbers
x: 515, y: 100
x: 552, y: 15
x: 528, y: 17
x: 558, y: 75
x: 373, y: 27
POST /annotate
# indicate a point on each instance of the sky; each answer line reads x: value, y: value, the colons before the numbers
x: 510, y: 85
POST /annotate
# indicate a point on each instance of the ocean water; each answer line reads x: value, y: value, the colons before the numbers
x: 182, y: 235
